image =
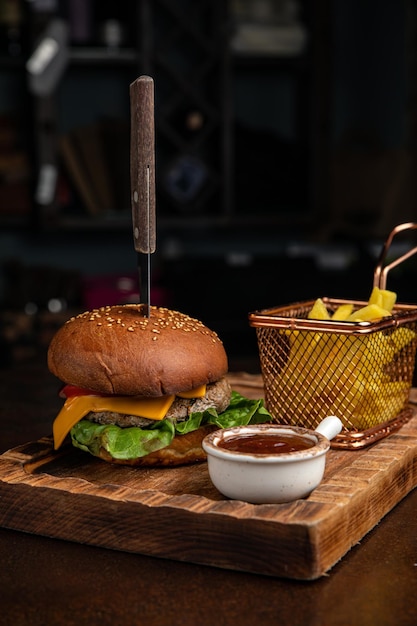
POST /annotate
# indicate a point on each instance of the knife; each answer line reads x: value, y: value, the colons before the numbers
x: 142, y: 180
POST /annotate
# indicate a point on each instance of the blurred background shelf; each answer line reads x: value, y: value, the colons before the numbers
x: 285, y: 147
x: 233, y: 126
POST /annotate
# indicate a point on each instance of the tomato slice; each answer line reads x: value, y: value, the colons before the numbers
x: 68, y: 391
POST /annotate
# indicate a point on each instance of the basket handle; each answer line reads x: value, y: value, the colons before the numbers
x: 381, y: 272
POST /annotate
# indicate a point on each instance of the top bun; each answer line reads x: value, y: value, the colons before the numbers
x: 119, y: 350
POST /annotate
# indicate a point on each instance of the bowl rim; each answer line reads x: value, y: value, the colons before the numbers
x: 211, y: 448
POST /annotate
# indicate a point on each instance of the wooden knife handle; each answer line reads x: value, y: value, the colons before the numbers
x: 142, y: 164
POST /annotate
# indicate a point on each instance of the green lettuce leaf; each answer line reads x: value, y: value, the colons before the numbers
x: 241, y: 412
x: 122, y: 443
x: 135, y: 442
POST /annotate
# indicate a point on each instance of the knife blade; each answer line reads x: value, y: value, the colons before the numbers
x: 142, y: 180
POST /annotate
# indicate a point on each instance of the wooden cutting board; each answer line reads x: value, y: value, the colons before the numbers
x: 178, y: 514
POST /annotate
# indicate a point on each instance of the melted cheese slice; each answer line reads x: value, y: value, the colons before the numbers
x: 197, y: 392
x: 76, y: 407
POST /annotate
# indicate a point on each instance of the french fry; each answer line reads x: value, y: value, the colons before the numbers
x: 319, y: 311
x: 383, y: 297
x: 349, y: 375
x: 380, y: 304
x: 369, y: 313
x: 342, y: 312
x: 401, y: 337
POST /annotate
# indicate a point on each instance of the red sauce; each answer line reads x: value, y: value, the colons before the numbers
x: 272, y: 443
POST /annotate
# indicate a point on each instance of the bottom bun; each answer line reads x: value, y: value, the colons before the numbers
x: 183, y: 450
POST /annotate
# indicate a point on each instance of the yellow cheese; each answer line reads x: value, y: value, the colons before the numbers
x: 197, y: 392
x: 76, y: 407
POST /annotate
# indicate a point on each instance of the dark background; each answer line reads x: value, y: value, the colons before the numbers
x: 280, y: 169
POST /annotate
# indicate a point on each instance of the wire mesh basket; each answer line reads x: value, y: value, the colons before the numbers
x: 360, y: 371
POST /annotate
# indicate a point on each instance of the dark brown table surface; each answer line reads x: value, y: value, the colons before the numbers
x: 50, y: 582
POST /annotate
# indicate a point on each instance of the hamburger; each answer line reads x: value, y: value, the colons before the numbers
x: 143, y: 390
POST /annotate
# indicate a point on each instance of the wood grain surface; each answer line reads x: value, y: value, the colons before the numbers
x: 178, y: 514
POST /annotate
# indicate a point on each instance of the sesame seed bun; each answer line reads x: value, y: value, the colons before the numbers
x: 119, y: 350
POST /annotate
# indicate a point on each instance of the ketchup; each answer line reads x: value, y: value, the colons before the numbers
x: 272, y: 443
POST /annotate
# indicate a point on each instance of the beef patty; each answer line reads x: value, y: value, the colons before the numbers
x: 217, y: 396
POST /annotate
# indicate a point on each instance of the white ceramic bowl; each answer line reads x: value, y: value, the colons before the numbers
x: 269, y: 478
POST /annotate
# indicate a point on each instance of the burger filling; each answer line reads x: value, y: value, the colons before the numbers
x: 126, y: 436
x: 217, y: 396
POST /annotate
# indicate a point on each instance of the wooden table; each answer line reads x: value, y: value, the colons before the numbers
x: 49, y: 581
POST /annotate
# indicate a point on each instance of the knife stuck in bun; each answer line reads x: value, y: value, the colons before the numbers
x: 143, y: 390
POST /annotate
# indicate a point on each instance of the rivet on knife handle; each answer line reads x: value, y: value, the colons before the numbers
x: 142, y: 176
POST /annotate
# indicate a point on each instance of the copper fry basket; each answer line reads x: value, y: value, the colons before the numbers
x: 360, y: 371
